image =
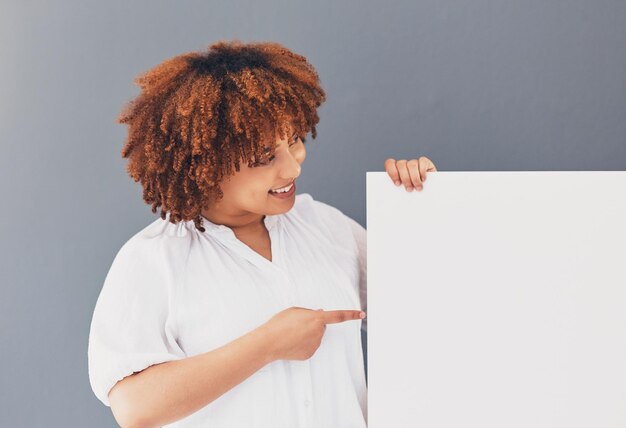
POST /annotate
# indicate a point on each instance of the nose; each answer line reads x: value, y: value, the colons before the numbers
x: 290, y: 167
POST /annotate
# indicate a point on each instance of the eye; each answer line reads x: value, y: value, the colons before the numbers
x: 295, y: 139
x: 262, y: 163
x: 265, y: 162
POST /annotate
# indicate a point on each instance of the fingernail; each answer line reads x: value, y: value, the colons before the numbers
x: 362, y: 314
x: 397, y: 183
x: 409, y: 189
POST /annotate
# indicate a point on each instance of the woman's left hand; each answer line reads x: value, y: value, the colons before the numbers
x: 411, y: 173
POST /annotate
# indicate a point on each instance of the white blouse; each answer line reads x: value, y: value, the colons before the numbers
x: 173, y: 292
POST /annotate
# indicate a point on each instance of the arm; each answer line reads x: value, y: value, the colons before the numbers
x: 164, y: 393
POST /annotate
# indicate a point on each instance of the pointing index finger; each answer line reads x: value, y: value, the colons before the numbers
x: 331, y: 317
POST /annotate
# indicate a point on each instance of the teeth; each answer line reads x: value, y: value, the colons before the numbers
x: 282, y: 190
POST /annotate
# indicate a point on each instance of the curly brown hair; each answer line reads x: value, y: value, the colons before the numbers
x: 199, y: 114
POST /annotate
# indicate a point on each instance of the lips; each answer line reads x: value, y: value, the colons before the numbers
x: 281, y: 187
x: 285, y: 195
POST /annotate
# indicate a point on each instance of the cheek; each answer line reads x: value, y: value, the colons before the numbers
x: 303, y: 153
x: 255, y: 185
x: 237, y: 185
x: 244, y: 193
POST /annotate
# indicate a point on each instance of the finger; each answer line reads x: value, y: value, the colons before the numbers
x: 426, y: 166
x: 430, y: 165
x: 390, y: 167
x: 422, y: 165
x: 414, y: 171
x: 404, y: 174
x: 331, y: 317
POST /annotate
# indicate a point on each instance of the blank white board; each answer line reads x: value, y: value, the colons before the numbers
x: 497, y: 299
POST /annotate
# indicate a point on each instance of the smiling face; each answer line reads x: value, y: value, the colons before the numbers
x: 247, y: 196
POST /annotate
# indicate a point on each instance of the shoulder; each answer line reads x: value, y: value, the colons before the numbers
x: 317, y: 211
x: 330, y: 220
x: 161, y: 247
x: 306, y: 205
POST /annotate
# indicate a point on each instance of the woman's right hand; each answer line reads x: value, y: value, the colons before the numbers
x: 295, y: 333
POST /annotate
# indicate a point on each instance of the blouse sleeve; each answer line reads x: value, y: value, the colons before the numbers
x: 360, y: 237
x: 131, y: 325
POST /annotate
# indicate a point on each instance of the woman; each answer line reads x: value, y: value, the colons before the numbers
x: 210, y: 316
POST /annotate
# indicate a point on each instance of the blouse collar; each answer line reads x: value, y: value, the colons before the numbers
x: 269, y: 220
x: 228, y: 237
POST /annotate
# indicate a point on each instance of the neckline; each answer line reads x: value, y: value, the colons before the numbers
x: 268, y: 220
x: 226, y: 234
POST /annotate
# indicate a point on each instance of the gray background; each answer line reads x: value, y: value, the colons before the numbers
x: 480, y: 85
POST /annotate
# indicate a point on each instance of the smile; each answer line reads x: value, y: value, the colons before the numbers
x: 283, y: 189
x: 285, y: 192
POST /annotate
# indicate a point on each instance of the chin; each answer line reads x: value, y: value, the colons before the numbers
x: 289, y: 204
x: 281, y: 207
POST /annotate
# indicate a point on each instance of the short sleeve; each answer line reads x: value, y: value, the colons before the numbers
x: 360, y: 237
x: 131, y: 328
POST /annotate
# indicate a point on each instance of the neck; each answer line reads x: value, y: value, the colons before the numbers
x: 244, y: 224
